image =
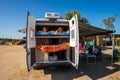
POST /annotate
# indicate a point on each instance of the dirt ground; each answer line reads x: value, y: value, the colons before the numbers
x: 13, y: 67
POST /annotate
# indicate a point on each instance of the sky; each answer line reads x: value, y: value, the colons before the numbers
x: 13, y: 13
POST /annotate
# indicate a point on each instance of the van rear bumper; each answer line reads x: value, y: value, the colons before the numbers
x: 53, y: 63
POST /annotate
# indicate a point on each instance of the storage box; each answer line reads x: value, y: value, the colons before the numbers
x: 41, y: 57
x: 53, y: 58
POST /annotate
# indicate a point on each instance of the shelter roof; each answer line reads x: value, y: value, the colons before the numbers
x: 88, y: 30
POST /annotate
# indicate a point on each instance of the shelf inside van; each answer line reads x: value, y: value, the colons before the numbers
x: 52, y: 36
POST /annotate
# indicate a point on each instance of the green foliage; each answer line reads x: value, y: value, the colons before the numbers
x: 118, y: 41
x: 69, y: 15
x: 108, y: 22
x: 116, y: 55
x: 8, y: 40
x: 84, y: 20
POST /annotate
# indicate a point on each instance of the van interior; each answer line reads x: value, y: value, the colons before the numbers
x: 50, y: 40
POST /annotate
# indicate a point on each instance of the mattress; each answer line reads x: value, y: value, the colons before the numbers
x: 52, y: 33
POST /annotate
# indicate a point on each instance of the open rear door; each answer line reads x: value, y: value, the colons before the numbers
x: 30, y: 36
x: 74, y: 41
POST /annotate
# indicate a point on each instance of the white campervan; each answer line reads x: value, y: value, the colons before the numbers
x: 52, y: 21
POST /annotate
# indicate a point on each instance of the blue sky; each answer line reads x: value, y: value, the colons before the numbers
x: 13, y: 13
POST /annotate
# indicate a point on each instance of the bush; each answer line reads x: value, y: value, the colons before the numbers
x: 116, y: 55
x: 118, y: 41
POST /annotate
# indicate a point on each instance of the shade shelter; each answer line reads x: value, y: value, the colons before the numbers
x: 22, y: 30
x: 88, y: 30
x: 85, y: 30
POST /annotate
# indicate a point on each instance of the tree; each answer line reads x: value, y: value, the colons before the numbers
x: 69, y: 15
x: 108, y: 22
x: 84, y: 20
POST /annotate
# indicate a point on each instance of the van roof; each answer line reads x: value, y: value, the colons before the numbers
x: 43, y: 19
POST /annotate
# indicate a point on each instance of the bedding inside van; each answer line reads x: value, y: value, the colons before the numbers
x: 52, y: 33
x: 52, y: 48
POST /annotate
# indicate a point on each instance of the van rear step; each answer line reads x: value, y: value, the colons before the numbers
x: 64, y: 65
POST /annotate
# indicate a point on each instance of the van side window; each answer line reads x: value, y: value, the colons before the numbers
x: 72, y: 22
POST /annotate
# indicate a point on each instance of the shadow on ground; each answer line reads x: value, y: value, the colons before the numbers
x: 92, y: 71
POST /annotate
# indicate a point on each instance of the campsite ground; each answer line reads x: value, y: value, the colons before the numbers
x: 13, y: 67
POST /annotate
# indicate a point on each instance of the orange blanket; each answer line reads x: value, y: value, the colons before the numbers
x: 53, y: 48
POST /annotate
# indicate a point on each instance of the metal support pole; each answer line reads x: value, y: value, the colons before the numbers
x: 94, y: 45
x: 113, y: 46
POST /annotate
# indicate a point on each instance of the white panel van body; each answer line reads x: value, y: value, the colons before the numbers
x: 52, y: 22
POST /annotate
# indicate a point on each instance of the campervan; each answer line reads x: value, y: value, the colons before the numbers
x: 46, y: 47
